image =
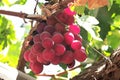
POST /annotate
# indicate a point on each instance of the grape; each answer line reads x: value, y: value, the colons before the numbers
x: 68, y: 57
x: 36, y: 38
x: 65, y: 17
x: 40, y: 27
x: 69, y: 37
x: 49, y: 28
x: 76, y: 44
x: 44, y: 35
x: 47, y: 43
x: 48, y: 54
x: 57, y: 38
x: 60, y: 28
x: 71, y: 64
x: 41, y: 60
x: 26, y: 53
x: 51, y: 20
x: 78, y: 37
x: 56, y: 60
x: 75, y: 29
x: 80, y: 55
x: 59, y: 49
x: 55, y: 41
x: 37, y: 48
x: 36, y: 67
x: 32, y: 58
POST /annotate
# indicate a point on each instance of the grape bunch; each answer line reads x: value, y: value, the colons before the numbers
x: 55, y: 42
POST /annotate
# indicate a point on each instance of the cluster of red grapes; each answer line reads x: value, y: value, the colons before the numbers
x: 55, y: 42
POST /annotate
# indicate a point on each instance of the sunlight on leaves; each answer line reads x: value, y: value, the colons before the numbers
x: 87, y: 22
x: 113, y: 39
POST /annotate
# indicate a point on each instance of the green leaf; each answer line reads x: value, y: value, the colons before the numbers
x: 118, y: 1
x: 63, y: 66
x: 6, y: 2
x: 93, y: 55
x: 7, y: 33
x: 79, y: 9
x: 113, y: 38
x: 32, y: 74
x: 104, y: 18
x: 21, y: 2
x: 12, y: 55
x: 110, y: 4
x: 1, y: 3
x: 88, y: 22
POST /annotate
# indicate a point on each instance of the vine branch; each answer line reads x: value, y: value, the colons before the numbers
x: 23, y: 15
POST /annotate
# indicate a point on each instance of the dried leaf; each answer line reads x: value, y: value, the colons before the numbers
x: 92, y: 4
x: 80, y: 2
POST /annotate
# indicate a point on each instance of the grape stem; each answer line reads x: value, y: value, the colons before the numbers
x: 61, y: 73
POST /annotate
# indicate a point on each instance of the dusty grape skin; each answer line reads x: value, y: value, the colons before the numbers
x: 36, y: 67
x: 68, y: 57
x: 50, y: 29
x: 40, y: 27
x: 80, y: 55
x: 60, y: 28
x: 48, y: 54
x: 44, y: 35
x: 36, y: 48
x: 57, y: 37
x: 59, y: 49
x: 32, y: 58
x: 51, y: 21
x: 41, y: 60
x: 56, y: 60
x: 26, y: 55
x: 47, y: 43
x: 36, y: 38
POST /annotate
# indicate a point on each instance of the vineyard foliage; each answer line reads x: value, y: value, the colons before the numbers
x: 100, y: 30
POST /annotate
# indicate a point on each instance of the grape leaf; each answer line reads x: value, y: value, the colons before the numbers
x: 87, y: 22
x: 21, y: 2
x: 63, y: 66
x: 113, y: 39
x: 79, y: 9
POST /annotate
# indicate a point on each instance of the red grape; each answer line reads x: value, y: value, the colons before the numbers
x: 59, y: 49
x: 56, y: 60
x: 60, y: 28
x: 68, y: 57
x: 36, y: 38
x: 48, y: 54
x: 26, y: 55
x: 37, y: 48
x: 44, y: 35
x: 76, y: 44
x: 40, y: 27
x: 75, y: 29
x: 36, y: 67
x: 41, y: 60
x: 50, y: 29
x: 69, y: 37
x: 80, y: 55
x: 51, y: 20
x: 47, y: 43
x: 57, y: 37
x: 32, y: 58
